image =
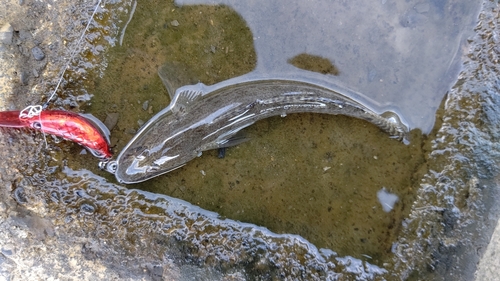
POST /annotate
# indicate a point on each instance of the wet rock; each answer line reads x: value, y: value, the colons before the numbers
x: 6, y: 33
x: 37, y: 53
x: 155, y: 271
x: 314, y: 63
x: 111, y: 120
x: 84, y: 98
x: 23, y: 77
x: 20, y: 195
x: 8, y: 250
x: 87, y: 208
x: 8, y: 185
x: 131, y: 131
x: 25, y: 36
x: 113, y: 141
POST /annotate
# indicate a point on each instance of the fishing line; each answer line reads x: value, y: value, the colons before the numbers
x: 36, y: 110
x: 30, y: 111
x: 134, y: 5
x: 72, y: 55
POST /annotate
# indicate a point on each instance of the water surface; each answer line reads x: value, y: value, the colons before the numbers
x: 304, y: 174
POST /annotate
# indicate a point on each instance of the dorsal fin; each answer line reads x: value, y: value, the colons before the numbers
x: 186, y: 97
x: 175, y: 75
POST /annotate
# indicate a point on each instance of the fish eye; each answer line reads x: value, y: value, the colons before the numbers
x: 113, y: 166
x: 37, y: 125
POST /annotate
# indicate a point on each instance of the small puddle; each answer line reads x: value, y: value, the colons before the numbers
x: 312, y: 175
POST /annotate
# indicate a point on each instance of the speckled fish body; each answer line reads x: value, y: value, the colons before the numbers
x: 203, y: 117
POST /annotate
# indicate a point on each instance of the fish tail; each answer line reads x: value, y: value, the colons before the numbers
x: 10, y: 119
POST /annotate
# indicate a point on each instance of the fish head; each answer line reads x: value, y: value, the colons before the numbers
x: 157, y: 150
x: 140, y: 163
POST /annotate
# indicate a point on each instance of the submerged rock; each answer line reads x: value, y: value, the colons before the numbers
x: 111, y: 120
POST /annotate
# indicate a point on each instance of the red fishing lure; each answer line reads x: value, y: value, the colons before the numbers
x: 71, y: 126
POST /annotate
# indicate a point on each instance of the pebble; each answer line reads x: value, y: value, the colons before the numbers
x: 174, y: 23
x: 8, y: 186
x: 145, y: 105
x: 111, y: 120
x: 25, y: 35
x: 87, y: 208
x: 130, y: 131
x: 20, y: 195
x: 37, y: 53
x: 6, y: 33
x: 8, y: 250
x: 23, y: 77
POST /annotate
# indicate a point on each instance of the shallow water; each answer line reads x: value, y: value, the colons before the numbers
x: 312, y: 175
x: 404, y: 54
x: 304, y: 174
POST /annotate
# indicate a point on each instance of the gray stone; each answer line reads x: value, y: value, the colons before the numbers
x: 24, y: 77
x: 37, y: 53
x: 111, y: 120
x: 6, y: 33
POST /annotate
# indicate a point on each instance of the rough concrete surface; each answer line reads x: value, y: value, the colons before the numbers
x: 488, y: 268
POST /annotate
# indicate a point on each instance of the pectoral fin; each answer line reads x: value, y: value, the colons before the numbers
x: 239, y: 138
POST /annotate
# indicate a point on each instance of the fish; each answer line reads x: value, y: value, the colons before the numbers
x: 201, y: 118
x: 83, y: 129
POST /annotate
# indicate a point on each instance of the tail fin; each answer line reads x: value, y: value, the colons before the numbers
x: 11, y: 119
